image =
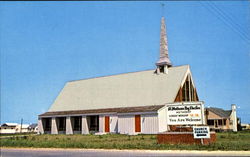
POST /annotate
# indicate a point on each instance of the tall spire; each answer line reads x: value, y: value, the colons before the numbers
x: 164, y: 58
x: 164, y: 62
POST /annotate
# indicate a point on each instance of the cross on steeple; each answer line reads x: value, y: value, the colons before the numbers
x: 164, y: 62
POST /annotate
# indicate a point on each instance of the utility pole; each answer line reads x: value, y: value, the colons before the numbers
x: 21, y: 125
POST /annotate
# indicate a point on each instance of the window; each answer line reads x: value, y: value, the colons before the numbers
x: 93, y: 123
x: 186, y: 90
x: 210, y: 122
x: 77, y: 123
x: 62, y: 124
x: 196, y: 98
x: 161, y: 69
x: 47, y: 124
x: 192, y: 92
x: 220, y: 121
x: 216, y: 123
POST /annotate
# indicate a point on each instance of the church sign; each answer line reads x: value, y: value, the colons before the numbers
x: 185, y: 114
x: 201, y: 132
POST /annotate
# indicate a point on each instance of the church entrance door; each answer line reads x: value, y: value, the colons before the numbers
x: 107, y: 128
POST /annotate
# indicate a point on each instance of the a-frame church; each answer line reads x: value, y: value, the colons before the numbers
x: 128, y: 103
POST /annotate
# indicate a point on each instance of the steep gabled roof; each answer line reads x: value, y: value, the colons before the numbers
x: 144, y: 88
x: 220, y: 112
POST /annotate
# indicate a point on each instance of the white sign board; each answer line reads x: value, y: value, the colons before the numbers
x: 184, y: 114
x: 201, y: 132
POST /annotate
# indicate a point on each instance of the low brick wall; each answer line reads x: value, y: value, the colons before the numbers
x: 183, y: 138
x: 179, y: 128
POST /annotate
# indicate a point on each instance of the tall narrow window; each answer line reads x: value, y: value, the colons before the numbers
x: 185, y: 91
x: 220, y: 121
x: 192, y: 91
x: 47, y: 124
x: 188, y: 91
x: 62, y: 124
x: 93, y: 123
x: 77, y: 123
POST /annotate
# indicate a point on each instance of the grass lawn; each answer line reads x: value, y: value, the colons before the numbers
x: 17, y: 134
x: 225, y: 141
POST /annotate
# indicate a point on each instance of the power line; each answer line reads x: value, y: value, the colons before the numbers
x: 229, y: 20
x: 225, y: 20
x: 231, y: 24
x: 229, y: 17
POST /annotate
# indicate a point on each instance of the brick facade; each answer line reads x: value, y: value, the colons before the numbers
x: 183, y: 138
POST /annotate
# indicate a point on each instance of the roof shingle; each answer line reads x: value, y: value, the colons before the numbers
x: 144, y: 88
x: 220, y: 112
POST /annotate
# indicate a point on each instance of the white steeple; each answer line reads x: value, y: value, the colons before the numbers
x: 164, y: 62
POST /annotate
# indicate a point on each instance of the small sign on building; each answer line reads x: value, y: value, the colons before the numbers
x: 201, y: 132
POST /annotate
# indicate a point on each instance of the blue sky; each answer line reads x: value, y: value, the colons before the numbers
x: 45, y: 44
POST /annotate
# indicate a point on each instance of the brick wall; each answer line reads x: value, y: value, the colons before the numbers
x: 179, y: 128
x: 183, y: 138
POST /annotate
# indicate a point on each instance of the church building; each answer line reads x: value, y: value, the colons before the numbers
x: 129, y: 103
